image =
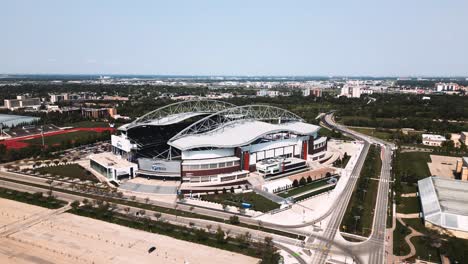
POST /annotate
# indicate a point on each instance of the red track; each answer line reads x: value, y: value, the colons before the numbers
x: 18, y: 143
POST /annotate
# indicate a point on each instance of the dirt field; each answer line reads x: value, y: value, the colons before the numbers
x: 68, y: 238
x: 443, y: 166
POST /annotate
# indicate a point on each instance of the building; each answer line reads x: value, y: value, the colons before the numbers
x: 316, y: 92
x: 55, y: 98
x: 464, y: 138
x: 214, y: 142
x: 462, y: 169
x: 354, y: 91
x: 443, y: 203
x: 267, y: 93
x: 112, y: 167
x: 447, y: 87
x: 96, y: 112
x: 22, y: 101
x: 15, y: 120
x: 433, y: 140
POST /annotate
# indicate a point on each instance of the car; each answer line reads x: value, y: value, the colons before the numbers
x: 151, y: 249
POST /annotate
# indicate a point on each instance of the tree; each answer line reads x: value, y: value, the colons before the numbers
x: 269, y: 253
x: 75, y: 204
x: 309, y: 179
x: 220, y: 235
x: 295, y: 183
x: 157, y: 215
x: 234, y: 220
x: 244, y: 240
x: 302, y: 181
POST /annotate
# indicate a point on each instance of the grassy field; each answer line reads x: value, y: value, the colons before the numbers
x: 303, y: 188
x: 88, y: 124
x: 259, y: 203
x: 73, y: 171
x: 362, y: 203
x: 414, y: 163
x: 400, y: 248
x: 424, y: 251
x: 372, y: 132
x: 58, y: 139
x: 409, y: 205
x: 416, y: 223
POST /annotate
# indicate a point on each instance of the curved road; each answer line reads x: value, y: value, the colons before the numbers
x: 373, y: 247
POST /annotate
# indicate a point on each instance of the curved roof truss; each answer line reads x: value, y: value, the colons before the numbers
x: 264, y: 113
x: 180, y: 111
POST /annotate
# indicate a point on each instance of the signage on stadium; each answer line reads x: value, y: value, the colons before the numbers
x: 158, y: 167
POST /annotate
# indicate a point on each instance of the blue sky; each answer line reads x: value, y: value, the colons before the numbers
x: 328, y: 37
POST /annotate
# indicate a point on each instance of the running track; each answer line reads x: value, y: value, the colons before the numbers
x: 18, y: 143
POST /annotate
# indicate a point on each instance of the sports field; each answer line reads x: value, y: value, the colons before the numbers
x: 55, y: 137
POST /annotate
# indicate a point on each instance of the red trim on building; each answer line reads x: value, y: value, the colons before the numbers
x: 246, y: 160
x: 304, y: 150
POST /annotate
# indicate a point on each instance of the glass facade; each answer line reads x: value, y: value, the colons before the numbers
x: 101, y: 169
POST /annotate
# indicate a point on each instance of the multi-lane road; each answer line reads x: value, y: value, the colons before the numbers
x: 373, y: 247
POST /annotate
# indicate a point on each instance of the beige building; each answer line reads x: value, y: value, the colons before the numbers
x: 21, y: 102
x: 462, y: 168
x: 433, y: 140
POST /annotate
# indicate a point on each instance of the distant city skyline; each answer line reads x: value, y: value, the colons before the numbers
x: 241, y: 38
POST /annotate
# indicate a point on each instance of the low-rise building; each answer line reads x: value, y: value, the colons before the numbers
x: 112, y: 167
x: 462, y: 169
x: 433, y: 140
x: 22, y: 101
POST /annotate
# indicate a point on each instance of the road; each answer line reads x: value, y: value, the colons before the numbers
x: 374, y: 245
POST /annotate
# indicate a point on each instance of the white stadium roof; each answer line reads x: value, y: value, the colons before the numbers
x: 240, y: 133
x: 444, y: 202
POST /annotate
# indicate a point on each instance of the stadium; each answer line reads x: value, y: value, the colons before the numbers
x: 212, y: 142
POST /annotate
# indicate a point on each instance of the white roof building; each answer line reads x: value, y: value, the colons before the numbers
x: 444, y: 203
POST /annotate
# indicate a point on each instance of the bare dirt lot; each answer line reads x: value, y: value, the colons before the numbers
x: 443, y: 166
x: 68, y: 238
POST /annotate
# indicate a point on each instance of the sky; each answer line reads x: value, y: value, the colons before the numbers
x: 241, y: 37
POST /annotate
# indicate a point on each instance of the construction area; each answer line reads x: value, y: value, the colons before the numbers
x: 31, y: 234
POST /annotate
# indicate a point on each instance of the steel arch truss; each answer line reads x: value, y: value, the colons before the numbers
x: 173, y: 111
x: 264, y: 113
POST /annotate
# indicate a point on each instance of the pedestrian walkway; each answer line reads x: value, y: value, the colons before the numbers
x: 409, y: 195
x: 413, y: 233
x: 400, y: 215
x: 15, y: 227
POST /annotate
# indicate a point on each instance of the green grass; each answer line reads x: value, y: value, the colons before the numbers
x: 423, y: 249
x: 259, y: 203
x: 303, y: 188
x: 58, y: 139
x: 73, y: 171
x: 373, y: 132
x: 416, y: 223
x: 409, y: 205
x: 414, y: 163
x: 87, y: 124
x: 400, y: 247
x: 305, y: 196
x: 363, y: 200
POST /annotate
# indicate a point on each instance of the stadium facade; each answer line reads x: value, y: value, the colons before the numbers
x: 216, y: 143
